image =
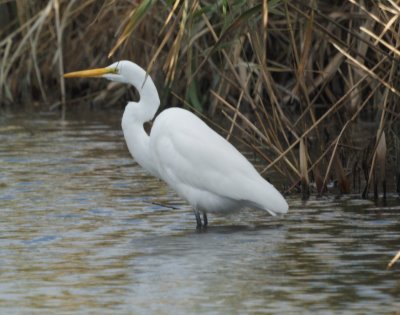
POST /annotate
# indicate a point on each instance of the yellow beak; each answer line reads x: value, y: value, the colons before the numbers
x: 90, y: 73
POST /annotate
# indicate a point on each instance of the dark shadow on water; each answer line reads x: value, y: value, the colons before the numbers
x: 237, y: 228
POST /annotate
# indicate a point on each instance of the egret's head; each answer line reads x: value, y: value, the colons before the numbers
x: 124, y: 71
x: 115, y: 72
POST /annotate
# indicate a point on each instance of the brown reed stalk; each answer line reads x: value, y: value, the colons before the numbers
x: 393, y: 261
x: 59, y: 31
x: 275, y: 72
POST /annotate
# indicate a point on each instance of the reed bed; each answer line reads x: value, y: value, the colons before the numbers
x: 311, y: 87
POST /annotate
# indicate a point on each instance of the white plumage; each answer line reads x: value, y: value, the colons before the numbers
x: 199, y: 164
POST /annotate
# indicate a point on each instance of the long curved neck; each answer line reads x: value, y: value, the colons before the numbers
x: 149, y: 99
x: 135, y: 115
x: 137, y: 140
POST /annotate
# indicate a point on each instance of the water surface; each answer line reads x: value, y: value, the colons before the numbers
x: 83, y: 229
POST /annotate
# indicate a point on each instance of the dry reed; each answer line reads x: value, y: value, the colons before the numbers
x: 310, y: 87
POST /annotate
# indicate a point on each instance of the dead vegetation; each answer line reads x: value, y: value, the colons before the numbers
x: 310, y: 86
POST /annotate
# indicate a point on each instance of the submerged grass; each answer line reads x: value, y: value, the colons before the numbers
x: 309, y: 86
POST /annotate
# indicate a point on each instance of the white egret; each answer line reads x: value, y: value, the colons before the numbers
x: 199, y: 164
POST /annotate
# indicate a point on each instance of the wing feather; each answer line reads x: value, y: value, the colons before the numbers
x: 190, y: 153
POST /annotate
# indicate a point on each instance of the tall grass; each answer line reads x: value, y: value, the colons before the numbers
x: 310, y: 86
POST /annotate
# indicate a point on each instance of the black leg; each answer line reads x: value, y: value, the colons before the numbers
x: 198, y: 220
x: 205, y: 220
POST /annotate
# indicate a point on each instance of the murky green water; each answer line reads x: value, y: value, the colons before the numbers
x: 83, y: 229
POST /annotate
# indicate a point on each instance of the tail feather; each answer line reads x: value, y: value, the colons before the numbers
x: 260, y: 194
x: 268, y: 198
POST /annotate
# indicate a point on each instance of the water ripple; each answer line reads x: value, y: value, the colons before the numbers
x: 85, y: 230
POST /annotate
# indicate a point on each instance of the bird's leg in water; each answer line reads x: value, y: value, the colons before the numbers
x: 198, y: 219
x: 205, y: 220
